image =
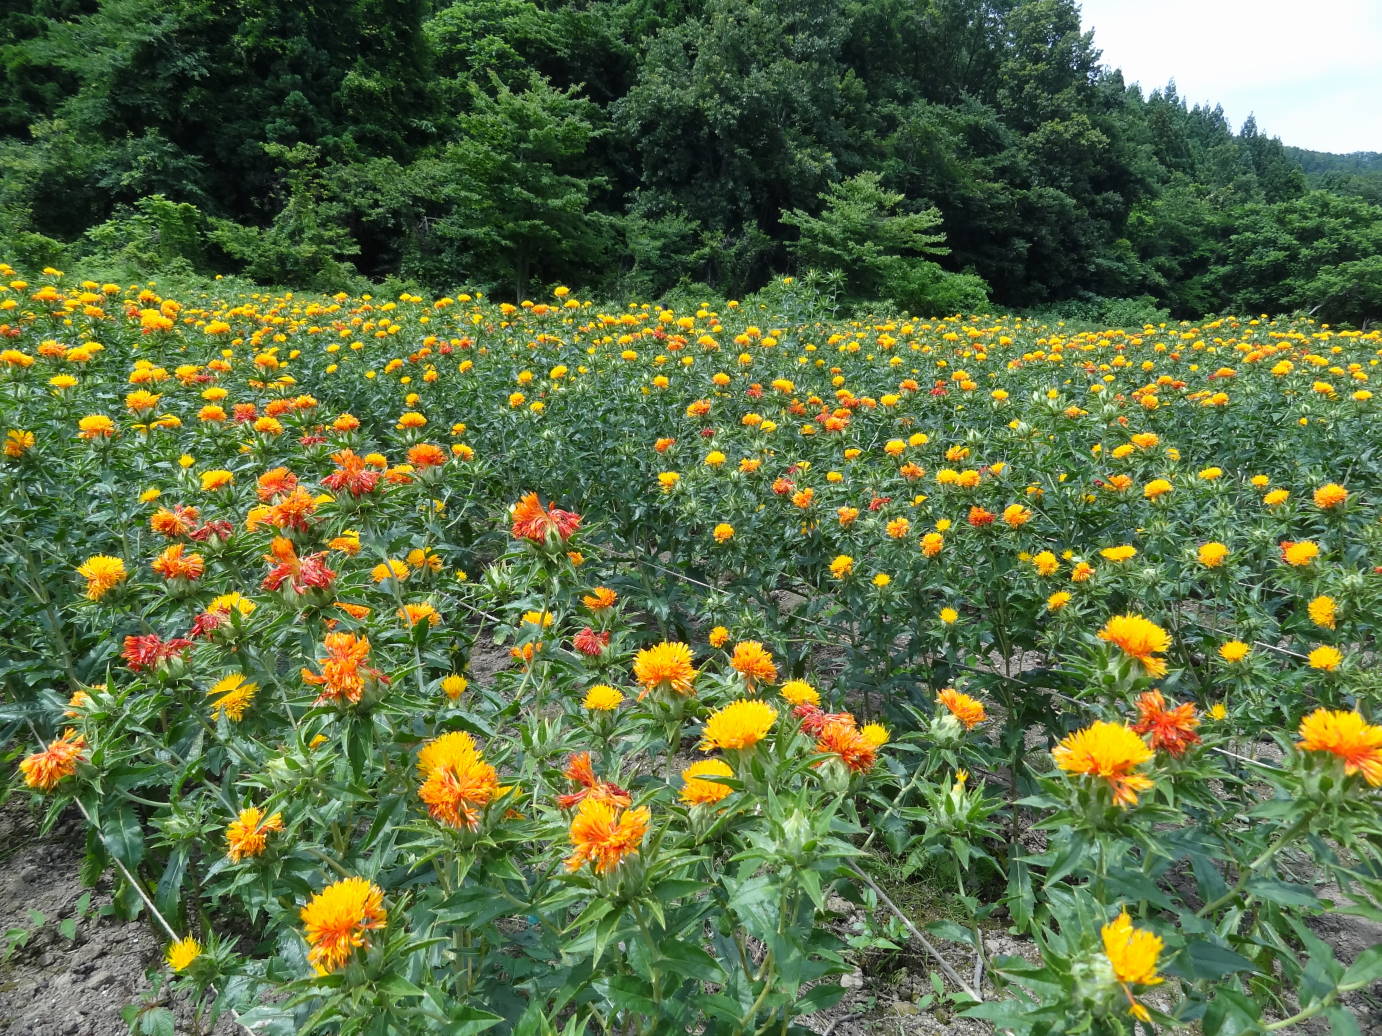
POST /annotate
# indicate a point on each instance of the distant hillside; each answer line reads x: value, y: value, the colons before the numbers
x: 1358, y: 174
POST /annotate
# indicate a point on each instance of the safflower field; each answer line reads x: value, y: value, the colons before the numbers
x: 450, y: 666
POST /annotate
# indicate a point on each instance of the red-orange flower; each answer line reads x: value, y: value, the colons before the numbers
x: 842, y: 738
x: 336, y: 920
x: 351, y: 475
x: 171, y: 564
x: 179, y: 521
x: 579, y: 770
x: 458, y: 784
x: 426, y: 455
x: 532, y: 521
x: 301, y: 574
x: 1171, y: 729
x: 274, y: 483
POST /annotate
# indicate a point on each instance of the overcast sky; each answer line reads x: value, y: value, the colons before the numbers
x: 1311, y: 72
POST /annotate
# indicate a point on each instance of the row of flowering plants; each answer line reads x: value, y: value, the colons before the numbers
x: 1077, y: 627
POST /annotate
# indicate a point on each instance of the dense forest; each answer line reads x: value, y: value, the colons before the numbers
x: 936, y: 154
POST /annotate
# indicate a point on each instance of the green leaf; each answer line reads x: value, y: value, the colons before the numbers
x: 157, y: 1021
x: 1231, y: 1013
x: 122, y: 835
x: 820, y: 997
x: 1283, y: 893
x: 1364, y: 971
x: 1204, y: 959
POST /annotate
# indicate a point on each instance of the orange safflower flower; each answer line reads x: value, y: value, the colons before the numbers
x: 274, y: 483
x: 1132, y: 953
x: 604, y: 835
x: 247, y: 835
x: 351, y: 475
x: 42, y: 770
x: 102, y: 574
x: 582, y: 773
x: 1108, y: 751
x: 1172, y: 729
x: 174, y: 522
x: 344, y: 672
x: 1330, y: 496
x: 1140, y: 639
x: 426, y: 455
x: 1300, y: 554
x: 753, y: 662
x: 665, y: 666
x: 411, y: 614
x: 172, y: 564
x: 300, y: 573
x: 533, y: 522
x: 841, y: 737
x: 336, y: 919
x: 600, y: 598
x: 457, y: 782
x: 1346, y: 735
x: 969, y: 711
x: 292, y: 510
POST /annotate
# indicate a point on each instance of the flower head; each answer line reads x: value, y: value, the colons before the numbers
x: 602, y: 698
x: 535, y: 523
x: 799, y: 692
x: 1298, y: 555
x: 1172, y: 729
x: 1326, y: 657
x: 665, y: 666
x: 1323, y: 611
x: 182, y: 953
x: 1330, y: 495
x: 1212, y: 554
x: 247, y: 835
x: 1132, y: 953
x: 42, y: 770
x: 1138, y: 638
x: 840, y: 736
x: 740, y: 724
x: 753, y: 662
x: 102, y: 573
x: 1347, y: 735
x: 233, y: 696
x: 1109, y: 751
x: 457, y: 783
x: 344, y: 671
x: 969, y: 711
x: 336, y: 919
x: 696, y: 791
x: 604, y: 835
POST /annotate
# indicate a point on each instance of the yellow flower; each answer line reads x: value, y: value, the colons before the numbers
x: 1326, y: 658
x: 247, y: 834
x: 1140, y: 639
x: 665, y: 666
x: 754, y: 663
x: 969, y: 711
x: 1155, y: 488
x: 391, y: 569
x: 217, y: 479
x: 336, y: 920
x: 182, y: 953
x: 1046, y: 563
x: 1299, y: 554
x: 102, y: 573
x: 1118, y: 554
x: 948, y: 616
x: 842, y: 566
x: 602, y: 698
x: 718, y: 637
x: 1330, y: 496
x: 454, y: 686
x: 1322, y: 611
x: 740, y: 724
x: 1211, y: 554
x: 1108, y: 751
x: 799, y: 692
x: 411, y: 614
x: 1347, y: 735
x: 723, y: 532
x: 1234, y: 651
x: 882, y: 579
x: 1133, y: 953
x: 1218, y: 711
x: 696, y: 791
x: 1276, y: 497
x: 1058, y: 600
x: 875, y: 734
x: 233, y: 696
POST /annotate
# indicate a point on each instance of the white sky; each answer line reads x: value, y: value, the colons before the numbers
x: 1310, y: 71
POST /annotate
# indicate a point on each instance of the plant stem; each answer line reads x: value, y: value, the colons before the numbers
x: 1271, y: 850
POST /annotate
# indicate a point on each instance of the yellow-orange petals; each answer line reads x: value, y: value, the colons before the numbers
x: 600, y: 598
x: 1132, y: 952
x: 1138, y: 638
x: 1323, y: 612
x: 232, y: 696
x: 182, y: 953
x: 842, y: 566
x: 840, y: 736
x: 343, y: 669
x: 42, y: 770
x: 602, y: 698
x: 799, y: 692
x: 1330, y: 496
x: 1234, y: 651
x: 1171, y: 729
x: 665, y: 666
x: 175, y: 563
x: 1212, y: 554
x: 247, y: 834
x: 696, y: 791
x: 753, y: 662
x: 969, y: 711
x: 1299, y: 554
x: 411, y: 614
x: 336, y: 919
x: 1326, y: 658
x: 458, y: 784
x: 1109, y: 751
x: 740, y: 724
x: 1347, y: 735
x: 102, y: 573
x: 604, y: 835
